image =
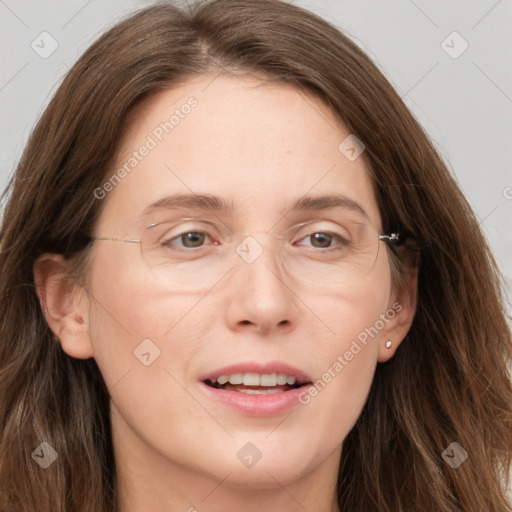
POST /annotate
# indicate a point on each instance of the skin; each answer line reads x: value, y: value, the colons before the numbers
x: 261, y: 146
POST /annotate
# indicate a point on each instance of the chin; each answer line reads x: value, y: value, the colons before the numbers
x: 267, y: 475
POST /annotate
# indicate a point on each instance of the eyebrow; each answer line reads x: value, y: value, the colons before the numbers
x: 221, y: 205
x: 200, y: 201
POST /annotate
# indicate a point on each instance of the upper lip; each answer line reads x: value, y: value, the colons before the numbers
x: 261, y: 368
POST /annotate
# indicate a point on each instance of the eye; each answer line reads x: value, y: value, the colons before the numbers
x: 187, y: 240
x: 324, y: 239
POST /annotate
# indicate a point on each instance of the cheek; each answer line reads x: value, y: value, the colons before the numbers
x: 145, y: 340
x: 347, y: 353
x: 135, y: 324
x: 353, y: 314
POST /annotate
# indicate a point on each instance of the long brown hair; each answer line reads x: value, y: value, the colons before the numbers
x: 448, y: 380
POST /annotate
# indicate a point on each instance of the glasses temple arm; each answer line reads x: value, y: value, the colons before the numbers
x: 394, y: 239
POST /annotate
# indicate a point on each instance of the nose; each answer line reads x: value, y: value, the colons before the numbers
x: 259, y: 298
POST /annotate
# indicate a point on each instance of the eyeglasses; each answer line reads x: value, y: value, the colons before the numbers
x: 190, y: 254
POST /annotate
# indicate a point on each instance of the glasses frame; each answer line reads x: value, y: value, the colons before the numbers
x: 392, y: 239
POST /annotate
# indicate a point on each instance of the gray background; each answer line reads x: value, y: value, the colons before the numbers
x: 465, y: 102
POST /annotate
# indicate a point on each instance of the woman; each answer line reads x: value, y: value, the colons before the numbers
x: 236, y: 275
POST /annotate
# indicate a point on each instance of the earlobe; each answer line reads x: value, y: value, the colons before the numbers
x: 64, y: 305
x: 404, y: 306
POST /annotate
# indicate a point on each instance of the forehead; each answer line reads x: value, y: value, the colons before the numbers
x: 258, y: 145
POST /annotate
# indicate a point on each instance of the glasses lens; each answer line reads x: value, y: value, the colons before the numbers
x: 333, y: 259
x: 184, y: 255
x: 194, y: 257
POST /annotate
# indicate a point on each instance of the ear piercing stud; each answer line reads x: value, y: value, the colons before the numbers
x: 389, y: 343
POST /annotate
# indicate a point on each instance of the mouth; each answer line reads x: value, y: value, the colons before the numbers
x: 256, y: 389
x: 253, y: 383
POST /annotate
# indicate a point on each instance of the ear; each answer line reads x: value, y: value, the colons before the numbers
x: 403, y: 303
x: 64, y: 304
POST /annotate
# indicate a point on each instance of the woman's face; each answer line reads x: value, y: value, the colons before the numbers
x: 158, y: 328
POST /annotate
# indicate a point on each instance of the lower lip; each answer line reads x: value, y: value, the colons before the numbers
x: 270, y: 404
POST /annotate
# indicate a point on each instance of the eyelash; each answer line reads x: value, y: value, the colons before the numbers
x: 335, y: 236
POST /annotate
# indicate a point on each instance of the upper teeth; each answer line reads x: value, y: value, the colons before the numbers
x: 257, y: 379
